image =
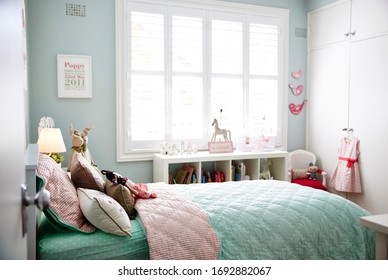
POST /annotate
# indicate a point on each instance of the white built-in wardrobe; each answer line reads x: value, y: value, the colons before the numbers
x: 348, y: 89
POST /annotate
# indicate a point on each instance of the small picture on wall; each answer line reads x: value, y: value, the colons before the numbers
x: 74, y: 76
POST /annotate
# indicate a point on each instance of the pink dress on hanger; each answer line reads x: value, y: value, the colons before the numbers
x: 346, y: 176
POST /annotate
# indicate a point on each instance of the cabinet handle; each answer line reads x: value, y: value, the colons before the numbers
x: 353, y: 33
x: 347, y: 34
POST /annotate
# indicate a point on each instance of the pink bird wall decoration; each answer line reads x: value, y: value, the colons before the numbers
x: 296, y: 91
x: 297, y: 74
x: 296, y: 109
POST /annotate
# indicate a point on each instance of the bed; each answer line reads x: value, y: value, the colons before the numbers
x: 256, y: 219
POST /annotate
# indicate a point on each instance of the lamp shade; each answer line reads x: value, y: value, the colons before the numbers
x: 51, y: 141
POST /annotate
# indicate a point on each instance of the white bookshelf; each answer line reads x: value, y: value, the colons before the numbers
x: 164, y: 165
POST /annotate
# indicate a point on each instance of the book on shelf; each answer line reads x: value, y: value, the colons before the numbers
x: 189, y: 174
x: 170, y: 179
x: 218, y: 176
x: 232, y: 172
x: 213, y: 176
x: 184, y: 175
x: 180, y: 176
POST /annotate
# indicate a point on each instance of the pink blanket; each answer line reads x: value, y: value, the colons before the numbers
x: 176, y: 228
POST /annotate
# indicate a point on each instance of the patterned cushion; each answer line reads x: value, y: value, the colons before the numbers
x: 299, y: 173
x: 85, y: 175
x: 104, y: 212
x: 64, y: 211
x: 123, y: 196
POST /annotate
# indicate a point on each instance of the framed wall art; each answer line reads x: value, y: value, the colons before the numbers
x: 74, y: 76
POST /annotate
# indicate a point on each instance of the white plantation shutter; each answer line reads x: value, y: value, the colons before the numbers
x: 263, y: 78
x: 227, y: 47
x: 147, y: 41
x: 263, y: 49
x: 187, y: 79
x: 185, y: 62
x: 187, y: 41
x: 147, y: 113
x: 227, y: 73
x: 147, y: 95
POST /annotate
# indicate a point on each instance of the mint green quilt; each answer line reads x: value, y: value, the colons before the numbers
x: 282, y: 221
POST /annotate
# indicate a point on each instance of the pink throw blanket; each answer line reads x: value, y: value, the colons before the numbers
x: 176, y: 228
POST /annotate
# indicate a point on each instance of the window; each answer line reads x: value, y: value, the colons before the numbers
x: 181, y: 64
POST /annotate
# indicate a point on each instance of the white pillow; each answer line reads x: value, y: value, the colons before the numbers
x: 104, y: 212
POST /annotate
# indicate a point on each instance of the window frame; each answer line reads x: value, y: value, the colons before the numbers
x: 122, y: 154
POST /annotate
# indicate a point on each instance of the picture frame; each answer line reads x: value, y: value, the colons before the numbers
x: 74, y: 76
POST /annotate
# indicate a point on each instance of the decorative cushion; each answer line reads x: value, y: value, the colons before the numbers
x: 299, y: 173
x: 85, y: 175
x: 123, y: 196
x: 64, y: 211
x: 104, y: 212
x: 309, y: 183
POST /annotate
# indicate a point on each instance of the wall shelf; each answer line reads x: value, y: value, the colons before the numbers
x: 164, y: 165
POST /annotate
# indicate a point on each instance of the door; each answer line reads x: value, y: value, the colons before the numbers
x: 368, y: 116
x: 327, y: 108
x: 13, y: 130
x: 329, y: 25
x: 369, y: 18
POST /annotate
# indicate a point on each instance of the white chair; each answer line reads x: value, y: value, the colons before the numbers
x: 299, y: 161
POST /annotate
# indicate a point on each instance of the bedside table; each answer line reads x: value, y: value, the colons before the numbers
x: 380, y: 224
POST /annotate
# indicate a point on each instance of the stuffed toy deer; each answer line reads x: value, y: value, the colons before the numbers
x: 80, y: 145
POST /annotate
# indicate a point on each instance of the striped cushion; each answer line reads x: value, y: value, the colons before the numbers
x: 64, y: 211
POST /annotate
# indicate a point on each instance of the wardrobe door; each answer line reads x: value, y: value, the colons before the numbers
x: 368, y: 115
x: 329, y: 25
x: 327, y: 106
x: 369, y: 18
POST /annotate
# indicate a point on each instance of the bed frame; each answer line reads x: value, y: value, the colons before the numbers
x: 267, y: 223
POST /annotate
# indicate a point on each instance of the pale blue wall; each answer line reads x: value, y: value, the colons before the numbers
x: 50, y: 32
x: 314, y: 4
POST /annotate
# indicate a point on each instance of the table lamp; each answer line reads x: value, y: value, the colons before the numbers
x: 51, y: 142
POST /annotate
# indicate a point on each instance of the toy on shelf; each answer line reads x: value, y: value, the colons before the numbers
x: 266, y: 174
x: 225, y: 146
